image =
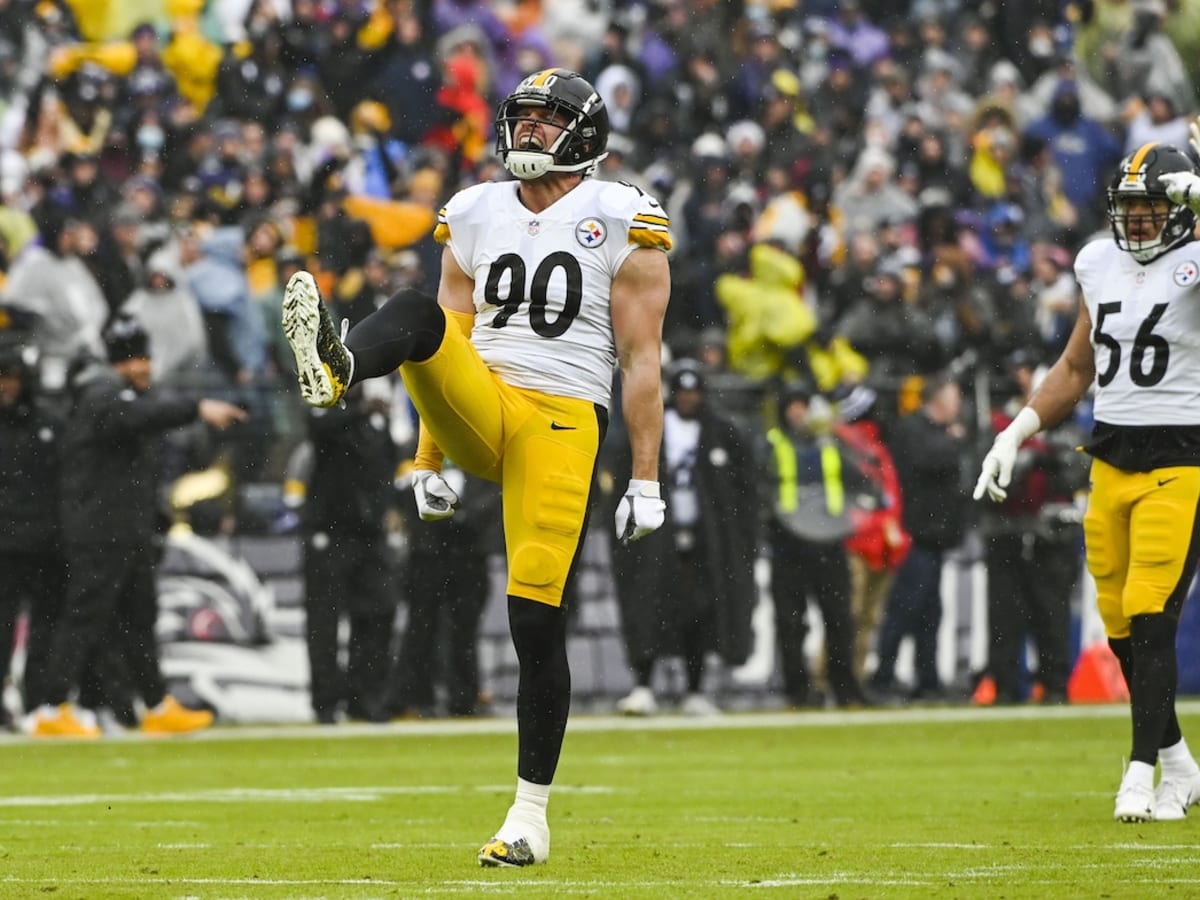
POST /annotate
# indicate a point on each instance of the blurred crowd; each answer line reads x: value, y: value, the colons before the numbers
x: 863, y: 194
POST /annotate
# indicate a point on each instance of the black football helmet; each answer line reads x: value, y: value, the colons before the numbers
x: 580, y: 111
x: 1137, y: 179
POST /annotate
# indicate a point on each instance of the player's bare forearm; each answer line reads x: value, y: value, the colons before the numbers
x: 639, y: 303
x: 643, y: 411
x: 455, y: 288
x: 1070, y: 376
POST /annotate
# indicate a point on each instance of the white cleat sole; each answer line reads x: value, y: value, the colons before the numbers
x: 301, y: 324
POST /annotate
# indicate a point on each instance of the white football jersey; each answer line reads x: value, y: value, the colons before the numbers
x: 543, y: 280
x: 1145, y: 333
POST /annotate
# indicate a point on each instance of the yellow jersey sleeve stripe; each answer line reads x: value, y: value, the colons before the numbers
x: 647, y: 219
x: 441, y: 233
x: 654, y: 238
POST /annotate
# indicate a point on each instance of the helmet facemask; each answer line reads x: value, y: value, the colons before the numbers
x: 1139, y: 224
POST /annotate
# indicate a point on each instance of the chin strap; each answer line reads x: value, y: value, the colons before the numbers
x: 529, y: 164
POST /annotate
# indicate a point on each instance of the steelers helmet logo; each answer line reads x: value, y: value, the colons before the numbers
x: 590, y: 233
x: 1186, y: 274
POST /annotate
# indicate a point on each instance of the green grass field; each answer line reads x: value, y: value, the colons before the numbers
x: 899, y: 803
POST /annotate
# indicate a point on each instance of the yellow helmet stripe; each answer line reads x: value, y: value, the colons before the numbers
x: 1135, y: 164
x: 540, y: 79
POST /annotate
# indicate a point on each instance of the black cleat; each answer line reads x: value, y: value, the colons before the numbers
x: 501, y: 853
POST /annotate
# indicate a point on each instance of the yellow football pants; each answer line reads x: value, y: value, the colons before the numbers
x: 1139, y: 529
x: 541, y: 448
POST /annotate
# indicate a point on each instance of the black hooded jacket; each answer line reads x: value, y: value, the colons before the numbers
x: 110, y: 460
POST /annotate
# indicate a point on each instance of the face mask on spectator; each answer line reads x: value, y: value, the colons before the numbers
x: 299, y: 100
x: 1041, y: 46
x: 150, y: 137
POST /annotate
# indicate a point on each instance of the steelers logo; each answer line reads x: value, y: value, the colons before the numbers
x: 1186, y: 274
x: 590, y: 233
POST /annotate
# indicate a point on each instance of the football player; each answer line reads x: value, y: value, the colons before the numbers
x: 548, y: 281
x: 1134, y: 340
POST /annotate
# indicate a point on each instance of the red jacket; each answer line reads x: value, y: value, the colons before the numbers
x: 879, y: 538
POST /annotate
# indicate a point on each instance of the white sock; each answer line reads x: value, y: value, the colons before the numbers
x: 528, y: 811
x: 1177, y: 760
x: 1139, y: 773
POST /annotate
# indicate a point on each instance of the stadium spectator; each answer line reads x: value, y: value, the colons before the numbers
x: 704, y: 220
x: 213, y: 266
x: 468, y: 115
x: 1145, y: 61
x: 769, y: 320
x: 1156, y: 118
x: 446, y: 584
x: 851, y: 30
x: 252, y: 80
x: 688, y: 590
x: 405, y: 77
x: 837, y: 108
x: 50, y: 281
x: 889, y: 100
x: 109, y: 514
x: 1032, y: 546
x: 869, y: 196
x: 344, y: 63
x: 943, y: 104
x: 880, y: 542
x: 91, y: 196
x: 1145, y: 469
x: 786, y: 127
x: 1035, y: 184
x: 30, y: 549
x: 927, y: 446
x: 764, y: 56
x: 1084, y: 150
x: 192, y: 58
x: 1054, y: 297
x: 621, y: 90
x: 117, y: 263
x: 485, y: 392
x: 347, y: 571
x: 896, y: 337
x: 815, y: 484
x: 934, y: 166
x: 171, y: 316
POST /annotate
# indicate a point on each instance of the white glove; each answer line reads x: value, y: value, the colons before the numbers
x: 1182, y: 187
x: 435, y: 498
x: 996, y: 471
x: 641, y: 510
